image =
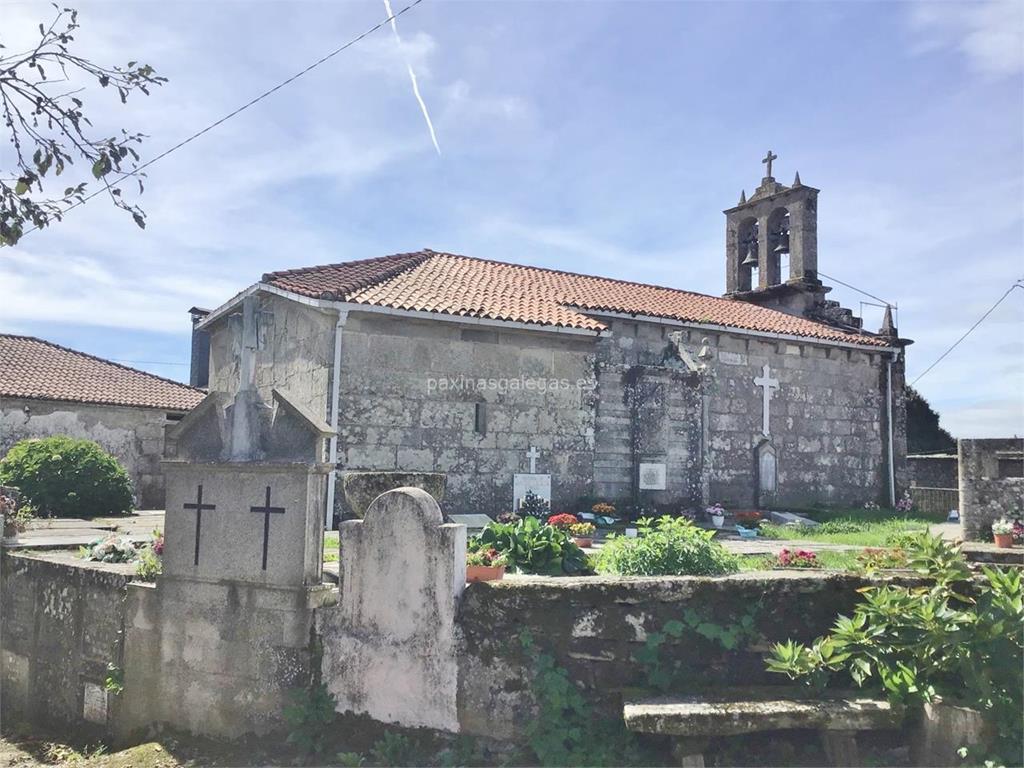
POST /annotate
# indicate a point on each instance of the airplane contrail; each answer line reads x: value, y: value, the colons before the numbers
x: 412, y: 77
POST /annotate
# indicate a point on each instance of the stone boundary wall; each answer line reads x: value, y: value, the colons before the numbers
x: 991, y: 485
x: 594, y: 626
x: 62, y: 625
x: 937, y: 471
x: 134, y: 436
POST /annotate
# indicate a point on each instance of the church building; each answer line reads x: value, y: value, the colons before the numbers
x: 506, y: 377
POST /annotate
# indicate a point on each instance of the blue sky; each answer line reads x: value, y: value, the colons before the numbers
x: 591, y: 136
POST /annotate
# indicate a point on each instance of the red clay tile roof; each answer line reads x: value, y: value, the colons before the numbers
x: 41, y: 370
x: 459, y: 285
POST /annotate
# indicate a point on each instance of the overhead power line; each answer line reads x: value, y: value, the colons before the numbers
x: 858, y: 290
x: 1018, y: 284
x: 242, y: 108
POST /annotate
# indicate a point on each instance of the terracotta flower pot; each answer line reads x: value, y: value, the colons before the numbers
x: 1003, y: 540
x: 583, y: 542
x: 484, y: 572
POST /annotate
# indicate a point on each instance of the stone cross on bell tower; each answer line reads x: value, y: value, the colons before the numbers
x: 776, y: 221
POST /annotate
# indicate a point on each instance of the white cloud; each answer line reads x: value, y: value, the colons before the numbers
x: 990, y: 33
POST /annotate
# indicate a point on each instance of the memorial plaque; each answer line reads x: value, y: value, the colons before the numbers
x: 538, y: 484
x: 652, y: 476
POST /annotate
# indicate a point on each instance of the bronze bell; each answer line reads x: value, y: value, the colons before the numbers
x: 783, y: 246
x: 751, y: 260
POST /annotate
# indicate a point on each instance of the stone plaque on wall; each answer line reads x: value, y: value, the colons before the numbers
x: 94, y: 703
x: 652, y: 476
x: 539, y: 484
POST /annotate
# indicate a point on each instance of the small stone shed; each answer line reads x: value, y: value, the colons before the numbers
x: 991, y: 483
x: 47, y: 390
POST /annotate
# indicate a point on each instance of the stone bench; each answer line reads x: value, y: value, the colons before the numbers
x: 693, y: 720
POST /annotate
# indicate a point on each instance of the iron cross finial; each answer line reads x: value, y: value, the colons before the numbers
x: 768, y: 161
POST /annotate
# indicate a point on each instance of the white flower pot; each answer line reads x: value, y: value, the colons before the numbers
x: 718, y: 520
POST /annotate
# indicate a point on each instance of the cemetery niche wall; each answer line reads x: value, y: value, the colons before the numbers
x: 215, y: 646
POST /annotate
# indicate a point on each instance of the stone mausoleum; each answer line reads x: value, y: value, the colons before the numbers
x: 509, y: 377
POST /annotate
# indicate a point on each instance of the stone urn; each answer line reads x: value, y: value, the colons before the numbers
x: 361, y: 488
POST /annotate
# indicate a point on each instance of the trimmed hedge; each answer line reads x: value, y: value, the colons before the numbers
x: 66, y: 477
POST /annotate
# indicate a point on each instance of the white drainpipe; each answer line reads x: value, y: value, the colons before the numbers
x: 332, y: 478
x: 888, y: 411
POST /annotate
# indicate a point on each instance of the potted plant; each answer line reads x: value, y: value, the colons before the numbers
x: 1002, y: 532
x: 563, y: 521
x: 485, y: 565
x: 583, y: 534
x: 15, y: 518
x: 717, y: 515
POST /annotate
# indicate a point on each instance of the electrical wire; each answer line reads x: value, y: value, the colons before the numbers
x: 1018, y: 284
x: 240, y: 109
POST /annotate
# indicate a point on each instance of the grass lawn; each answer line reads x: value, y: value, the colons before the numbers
x: 842, y: 561
x: 331, y: 547
x: 865, y: 528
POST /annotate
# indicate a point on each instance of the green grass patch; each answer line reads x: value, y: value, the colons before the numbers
x: 848, y: 530
x: 841, y: 561
x: 331, y: 547
x: 823, y: 515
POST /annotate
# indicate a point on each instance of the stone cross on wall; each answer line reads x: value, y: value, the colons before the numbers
x: 266, y: 510
x: 533, y: 454
x: 768, y: 161
x: 767, y: 384
x: 198, y: 506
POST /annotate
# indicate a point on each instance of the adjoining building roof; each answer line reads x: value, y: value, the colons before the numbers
x: 446, y: 283
x: 41, y: 370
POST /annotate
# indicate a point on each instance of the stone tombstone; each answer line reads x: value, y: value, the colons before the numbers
x: 652, y: 476
x: 246, y: 492
x: 522, y: 483
x: 389, y: 649
x: 767, y: 473
x: 245, y: 522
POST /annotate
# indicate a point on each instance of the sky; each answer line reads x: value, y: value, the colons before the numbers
x: 599, y: 137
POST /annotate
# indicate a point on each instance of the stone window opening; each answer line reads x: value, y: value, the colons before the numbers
x: 480, y: 419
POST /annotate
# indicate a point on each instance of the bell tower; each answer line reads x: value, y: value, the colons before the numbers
x: 776, y: 226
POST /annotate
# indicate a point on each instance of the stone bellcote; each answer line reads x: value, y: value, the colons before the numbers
x: 776, y: 221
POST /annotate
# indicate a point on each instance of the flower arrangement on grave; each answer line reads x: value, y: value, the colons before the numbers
x: 871, y: 505
x: 880, y: 558
x: 717, y: 514
x: 748, y: 517
x: 533, y: 505
x: 905, y: 504
x: 1002, y: 533
x: 112, y: 549
x: 801, y: 558
x: 583, y: 534
x: 485, y: 564
x: 563, y: 520
x: 150, y: 563
x: 508, y: 517
x: 1018, y: 531
x: 16, y: 518
x: 604, y: 509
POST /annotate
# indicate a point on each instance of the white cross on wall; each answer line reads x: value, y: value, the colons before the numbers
x: 767, y: 383
x: 533, y: 454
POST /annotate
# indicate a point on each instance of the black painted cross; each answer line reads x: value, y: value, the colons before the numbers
x: 198, y: 507
x: 266, y: 510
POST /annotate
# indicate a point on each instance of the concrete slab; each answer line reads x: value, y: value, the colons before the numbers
x: 730, y: 712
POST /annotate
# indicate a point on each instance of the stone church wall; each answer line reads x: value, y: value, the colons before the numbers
x: 295, y: 351
x: 409, y: 397
x: 826, y: 418
x: 134, y: 436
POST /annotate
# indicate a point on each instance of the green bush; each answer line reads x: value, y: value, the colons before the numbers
x: 959, y: 637
x: 65, y: 477
x: 531, y: 546
x: 666, y: 546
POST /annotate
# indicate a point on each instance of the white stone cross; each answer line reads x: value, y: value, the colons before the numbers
x: 767, y: 383
x: 533, y: 454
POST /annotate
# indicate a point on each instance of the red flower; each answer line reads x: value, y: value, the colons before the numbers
x: 563, y: 520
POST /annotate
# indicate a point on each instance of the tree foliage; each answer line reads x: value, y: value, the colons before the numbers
x: 48, y: 128
x: 924, y: 435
